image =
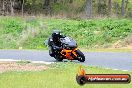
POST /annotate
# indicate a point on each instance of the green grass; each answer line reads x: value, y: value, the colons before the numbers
x: 30, y: 33
x: 62, y: 76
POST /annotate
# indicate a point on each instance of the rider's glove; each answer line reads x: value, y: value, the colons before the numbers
x: 57, y: 48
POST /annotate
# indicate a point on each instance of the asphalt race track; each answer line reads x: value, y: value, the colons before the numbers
x: 114, y: 60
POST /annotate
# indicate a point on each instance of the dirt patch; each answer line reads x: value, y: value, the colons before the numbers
x: 121, y: 45
x: 13, y: 66
x: 117, y: 44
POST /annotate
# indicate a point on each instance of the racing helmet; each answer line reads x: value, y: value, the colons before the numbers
x: 56, y: 35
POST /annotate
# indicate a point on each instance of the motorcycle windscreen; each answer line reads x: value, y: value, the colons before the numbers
x: 69, y: 42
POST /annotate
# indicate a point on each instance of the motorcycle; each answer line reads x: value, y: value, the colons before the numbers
x: 69, y: 51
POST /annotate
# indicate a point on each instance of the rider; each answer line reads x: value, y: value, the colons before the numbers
x: 54, y: 41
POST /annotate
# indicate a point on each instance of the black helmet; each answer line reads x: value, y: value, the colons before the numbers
x: 56, y: 34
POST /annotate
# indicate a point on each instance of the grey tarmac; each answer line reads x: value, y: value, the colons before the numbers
x: 113, y: 60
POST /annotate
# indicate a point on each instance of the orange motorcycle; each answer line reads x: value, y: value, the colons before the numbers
x: 68, y: 51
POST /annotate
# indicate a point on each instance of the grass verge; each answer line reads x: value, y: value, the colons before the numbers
x: 32, y: 32
x: 62, y: 75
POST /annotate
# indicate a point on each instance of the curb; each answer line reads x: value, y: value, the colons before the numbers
x: 11, y: 60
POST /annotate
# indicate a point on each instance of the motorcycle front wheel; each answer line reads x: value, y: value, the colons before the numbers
x: 80, y: 56
x: 58, y: 58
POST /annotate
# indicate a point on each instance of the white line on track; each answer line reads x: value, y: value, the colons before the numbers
x: 11, y: 60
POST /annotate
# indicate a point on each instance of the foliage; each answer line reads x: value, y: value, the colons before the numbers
x: 31, y: 33
x: 65, y: 8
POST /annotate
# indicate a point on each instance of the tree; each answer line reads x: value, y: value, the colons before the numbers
x: 47, y: 3
x: 12, y: 7
x: 70, y: 1
x: 102, y: 7
x: 123, y: 8
x: 3, y: 7
x: 55, y: 1
x: 109, y: 6
x: 88, y: 8
x: 126, y: 4
x: 117, y: 7
x: 22, y: 1
x: 99, y: 6
x: 47, y: 7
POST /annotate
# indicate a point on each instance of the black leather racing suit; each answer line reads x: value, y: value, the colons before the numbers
x: 55, y: 45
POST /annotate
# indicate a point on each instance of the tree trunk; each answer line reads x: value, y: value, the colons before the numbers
x: 117, y: 8
x: 22, y: 7
x: 3, y: 8
x: 47, y: 7
x: 71, y: 1
x: 46, y: 2
x: 88, y: 9
x: 123, y: 8
x: 12, y: 5
x: 126, y: 4
x: 99, y: 7
x: 55, y: 1
x: 109, y: 7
